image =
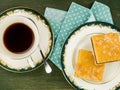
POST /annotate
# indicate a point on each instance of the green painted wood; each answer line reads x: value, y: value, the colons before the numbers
x: 38, y: 79
x: 35, y: 80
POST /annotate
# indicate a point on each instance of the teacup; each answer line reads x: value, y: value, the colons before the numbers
x: 23, y: 33
x: 18, y: 38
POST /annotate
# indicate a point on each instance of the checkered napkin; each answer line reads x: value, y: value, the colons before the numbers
x: 65, y: 22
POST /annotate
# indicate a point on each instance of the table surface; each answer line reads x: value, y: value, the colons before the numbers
x: 38, y: 79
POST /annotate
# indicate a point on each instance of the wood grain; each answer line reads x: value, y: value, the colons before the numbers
x: 38, y: 79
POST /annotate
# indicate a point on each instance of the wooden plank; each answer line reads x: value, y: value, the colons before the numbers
x: 38, y: 79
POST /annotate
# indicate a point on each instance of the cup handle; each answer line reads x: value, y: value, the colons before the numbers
x: 30, y: 62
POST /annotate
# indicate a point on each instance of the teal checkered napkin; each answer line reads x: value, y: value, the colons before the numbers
x: 70, y: 20
x: 102, y: 12
x: 75, y: 16
x: 92, y: 18
x: 55, y: 18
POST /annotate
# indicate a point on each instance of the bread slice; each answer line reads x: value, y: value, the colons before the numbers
x: 86, y: 67
x: 106, y: 47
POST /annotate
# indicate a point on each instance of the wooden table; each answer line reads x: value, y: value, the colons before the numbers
x: 38, y: 79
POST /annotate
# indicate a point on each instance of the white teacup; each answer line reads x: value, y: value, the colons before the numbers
x: 5, y: 51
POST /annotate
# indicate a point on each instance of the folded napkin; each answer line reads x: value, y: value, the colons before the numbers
x: 63, y: 23
x: 55, y: 18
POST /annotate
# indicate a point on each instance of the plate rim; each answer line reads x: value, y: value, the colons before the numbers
x: 67, y: 40
x: 51, y: 38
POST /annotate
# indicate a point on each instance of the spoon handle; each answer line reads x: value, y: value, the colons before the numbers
x: 48, y: 69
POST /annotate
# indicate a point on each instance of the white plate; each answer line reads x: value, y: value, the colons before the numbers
x: 46, y: 40
x: 81, y: 39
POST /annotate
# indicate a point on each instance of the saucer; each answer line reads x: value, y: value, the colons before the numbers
x: 81, y: 39
x: 46, y: 40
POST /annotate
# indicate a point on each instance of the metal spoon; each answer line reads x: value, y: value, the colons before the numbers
x: 48, y: 69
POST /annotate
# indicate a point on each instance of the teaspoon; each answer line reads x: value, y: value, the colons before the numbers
x: 48, y: 69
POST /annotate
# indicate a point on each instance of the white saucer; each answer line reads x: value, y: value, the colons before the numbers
x: 46, y: 40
